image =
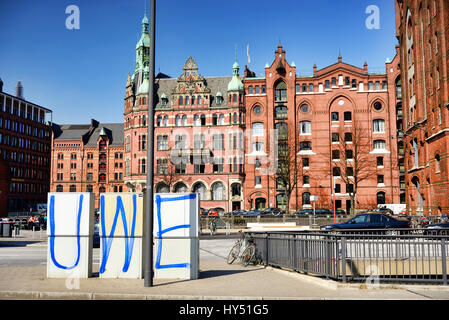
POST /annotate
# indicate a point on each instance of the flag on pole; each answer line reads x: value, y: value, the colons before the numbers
x: 247, y: 53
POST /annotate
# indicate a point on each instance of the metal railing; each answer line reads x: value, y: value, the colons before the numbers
x: 403, y: 256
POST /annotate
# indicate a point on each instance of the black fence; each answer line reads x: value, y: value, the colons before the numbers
x: 371, y: 256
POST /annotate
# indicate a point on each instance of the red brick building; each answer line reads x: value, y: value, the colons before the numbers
x: 315, y: 116
x: 24, y: 153
x: 87, y: 158
x: 422, y: 31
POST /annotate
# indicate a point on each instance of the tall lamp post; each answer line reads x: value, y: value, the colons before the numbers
x: 148, y: 274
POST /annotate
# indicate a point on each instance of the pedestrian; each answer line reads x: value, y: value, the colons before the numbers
x: 45, y: 221
x: 31, y: 221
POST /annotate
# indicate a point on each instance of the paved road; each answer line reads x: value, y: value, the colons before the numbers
x: 36, y: 254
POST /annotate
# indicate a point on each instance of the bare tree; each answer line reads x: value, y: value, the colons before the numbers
x: 351, y: 158
x: 166, y: 172
x: 288, y: 170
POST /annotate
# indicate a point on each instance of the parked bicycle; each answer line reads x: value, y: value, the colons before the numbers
x: 246, y: 255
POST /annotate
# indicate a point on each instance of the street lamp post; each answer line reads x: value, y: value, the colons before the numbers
x: 148, y: 275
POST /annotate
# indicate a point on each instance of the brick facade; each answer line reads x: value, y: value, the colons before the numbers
x: 422, y: 31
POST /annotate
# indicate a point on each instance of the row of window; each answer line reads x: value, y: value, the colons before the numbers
x: 22, y: 128
x: 89, y: 188
x: 26, y: 173
x: 217, y: 193
x: 22, y: 143
x: 25, y: 158
x: 28, y: 115
x: 22, y: 187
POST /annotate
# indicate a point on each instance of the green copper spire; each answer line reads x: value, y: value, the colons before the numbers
x: 235, y: 84
x: 143, y: 45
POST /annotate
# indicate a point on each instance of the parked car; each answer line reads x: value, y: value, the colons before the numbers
x: 203, y: 212
x: 304, y: 212
x: 253, y: 213
x: 212, y: 213
x: 237, y: 213
x: 441, y: 228
x: 272, y: 211
x: 339, y: 212
x: 371, y: 220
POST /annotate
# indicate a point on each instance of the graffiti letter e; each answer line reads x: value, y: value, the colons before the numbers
x: 73, y: 20
x: 373, y: 20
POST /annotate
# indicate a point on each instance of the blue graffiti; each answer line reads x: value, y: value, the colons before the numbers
x: 160, y: 232
x: 107, y: 240
x: 52, y: 233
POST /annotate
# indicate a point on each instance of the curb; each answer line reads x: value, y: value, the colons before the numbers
x: 35, y: 295
x: 332, y: 284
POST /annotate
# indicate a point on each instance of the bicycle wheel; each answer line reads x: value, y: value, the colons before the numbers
x: 248, y: 255
x: 234, y: 253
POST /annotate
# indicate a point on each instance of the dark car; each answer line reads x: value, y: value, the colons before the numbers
x: 253, y: 213
x: 370, y: 221
x: 304, y: 212
x: 272, y: 211
x: 323, y: 212
x: 441, y: 228
x: 237, y: 213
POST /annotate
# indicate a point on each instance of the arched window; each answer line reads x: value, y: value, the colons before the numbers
x: 59, y: 188
x: 102, y: 189
x: 180, y: 187
x: 196, y: 120
x: 187, y: 100
x: 305, y: 127
x: 218, y: 191
x: 282, y: 130
x: 437, y: 163
x: 379, y: 126
x: 159, y: 121
x: 306, y: 198
x: 89, y: 188
x: 162, y: 188
x: 184, y: 120
x: 178, y: 120
x: 234, y: 118
x: 72, y: 188
x: 280, y: 92
x: 304, y: 88
x: 379, y: 145
x: 200, y: 188
x: 214, y: 119
x: 234, y: 97
x: 381, y: 197
x: 165, y: 121
x: 181, y: 101
x: 257, y: 90
x: 280, y: 112
x: 250, y: 90
x: 193, y: 100
x: 199, y: 99
x: 221, y: 119
x: 258, y: 129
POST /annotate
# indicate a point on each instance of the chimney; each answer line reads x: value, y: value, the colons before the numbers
x: 19, y: 90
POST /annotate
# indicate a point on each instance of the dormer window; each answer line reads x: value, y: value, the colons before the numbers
x: 280, y: 92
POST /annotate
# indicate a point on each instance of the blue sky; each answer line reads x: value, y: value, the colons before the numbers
x: 81, y: 74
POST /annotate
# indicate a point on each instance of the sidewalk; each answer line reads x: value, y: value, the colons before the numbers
x: 218, y: 280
